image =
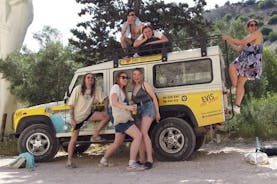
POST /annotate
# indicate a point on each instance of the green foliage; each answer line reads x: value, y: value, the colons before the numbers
x: 258, y: 118
x: 95, y: 38
x: 273, y: 36
x: 266, y: 4
x: 273, y: 20
x: 228, y: 17
x: 250, y: 2
x: 273, y: 12
x: 266, y: 30
x: 47, y: 35
x: 39, y: 77
x: 270, y: 70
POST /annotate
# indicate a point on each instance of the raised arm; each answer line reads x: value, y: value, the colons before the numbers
x: 234, y: 43
x: 255, y: 37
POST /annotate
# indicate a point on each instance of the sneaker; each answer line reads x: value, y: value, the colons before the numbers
x: 136, y: 55
x: 236, y: 109
x: 233, y: 90
x: 135, y: 167
x: 70, y: 165
x: 105, y: 164
x: 139, y: 163
x: 148, y: 165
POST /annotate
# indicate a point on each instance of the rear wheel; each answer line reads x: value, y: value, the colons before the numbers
x: 40, y: 141
x: 173, y: 139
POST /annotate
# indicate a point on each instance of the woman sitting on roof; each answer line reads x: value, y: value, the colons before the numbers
x: 151, y: 41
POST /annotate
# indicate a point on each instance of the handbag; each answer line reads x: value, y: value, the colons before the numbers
x: 121, y: 115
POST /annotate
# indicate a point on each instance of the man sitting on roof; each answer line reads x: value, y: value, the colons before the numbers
x: 130, y: 31
x: 151, y: 42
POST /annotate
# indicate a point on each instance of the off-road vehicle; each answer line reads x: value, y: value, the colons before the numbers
x: 190, y: 86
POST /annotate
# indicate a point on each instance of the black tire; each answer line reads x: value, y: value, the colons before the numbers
x: 173, y: 140
x: 199, y: 142
x: 79, y: 148
x: 39, y: 140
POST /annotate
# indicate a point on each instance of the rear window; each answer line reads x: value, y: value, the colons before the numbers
x: 182, y: 73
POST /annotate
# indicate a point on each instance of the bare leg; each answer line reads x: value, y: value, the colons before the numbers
x: 125, y: 42
x: 118, y: 140
x: 72, y: 142
x: 141, y: 147
x: 145, y: 125
x: 142, y: 152
x: 134, y: 132
x: 240, y: 90
x: 103, y: 117
x: 233, y: 75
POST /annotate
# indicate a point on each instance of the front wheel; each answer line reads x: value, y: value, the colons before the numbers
x: 173, y: 139
x: 38, y: 140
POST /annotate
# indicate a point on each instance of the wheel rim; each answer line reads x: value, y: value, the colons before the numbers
x: 38, y: 144
x: 171, y: 140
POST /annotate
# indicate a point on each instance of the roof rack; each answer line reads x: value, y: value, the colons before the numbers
x: 120, y: 57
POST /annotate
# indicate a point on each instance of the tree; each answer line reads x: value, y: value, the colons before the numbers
x: 270, y: 70
x: 95, y: 38
x: 40, y: 77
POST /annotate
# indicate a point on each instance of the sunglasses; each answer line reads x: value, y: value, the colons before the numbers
x: 132, y: 14
x: 253, y: 25
x: 124, y: 77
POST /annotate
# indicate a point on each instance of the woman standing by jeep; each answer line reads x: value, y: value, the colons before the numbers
x: 148, y: 110
x: 248, y: 65
x: 80, y: 103
x: 121, y: 110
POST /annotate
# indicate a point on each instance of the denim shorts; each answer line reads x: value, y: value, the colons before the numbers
x: 145, y: 109
x: 122, y: 127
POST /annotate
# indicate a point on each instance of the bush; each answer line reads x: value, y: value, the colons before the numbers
x: 273, y: 20
x: 228, y: 17
x: 258, y: 118
x: 266, y: 30
x: 273, y: 36
x: 273, y: 12
x: 266, y: 4
x: 250, y: 2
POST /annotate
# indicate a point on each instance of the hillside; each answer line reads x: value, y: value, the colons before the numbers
x: 248, y: 11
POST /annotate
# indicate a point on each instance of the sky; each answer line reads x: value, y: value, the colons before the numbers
x: 62, y: 15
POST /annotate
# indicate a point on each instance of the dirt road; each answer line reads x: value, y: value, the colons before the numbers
x: 213, y: 163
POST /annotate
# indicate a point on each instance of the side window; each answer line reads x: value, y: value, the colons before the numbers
x: 129, y: 72
x: 183, y: 73
x: 98, y: 79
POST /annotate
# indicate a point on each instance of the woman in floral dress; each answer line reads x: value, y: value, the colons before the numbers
x: 248, y: 65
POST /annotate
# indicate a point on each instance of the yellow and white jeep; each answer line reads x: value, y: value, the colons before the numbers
x: 190, y: 88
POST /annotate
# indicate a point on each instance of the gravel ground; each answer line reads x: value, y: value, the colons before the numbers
x: 213, y: 163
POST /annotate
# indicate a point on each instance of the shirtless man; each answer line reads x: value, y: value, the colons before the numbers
x: 130, y: 31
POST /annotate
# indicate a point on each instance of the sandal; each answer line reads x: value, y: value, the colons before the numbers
x: 97, y: 139
x: 70, y: 165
